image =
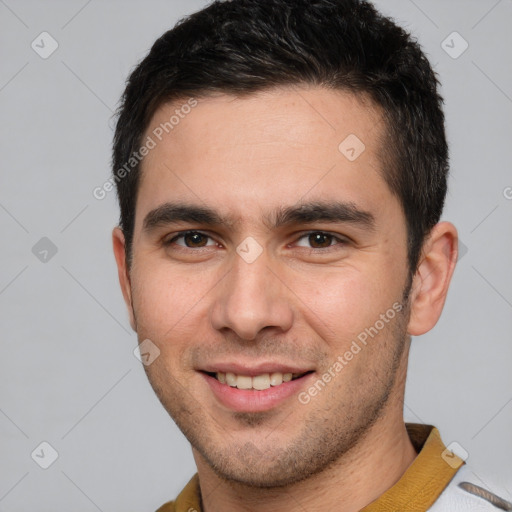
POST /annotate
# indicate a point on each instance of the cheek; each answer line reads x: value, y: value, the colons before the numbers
x: 342, y: 305
x: 166, y: 304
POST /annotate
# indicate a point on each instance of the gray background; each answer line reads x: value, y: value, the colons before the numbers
x: 68, y: 375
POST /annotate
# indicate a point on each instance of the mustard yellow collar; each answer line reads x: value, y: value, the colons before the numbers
x: 416, y: 491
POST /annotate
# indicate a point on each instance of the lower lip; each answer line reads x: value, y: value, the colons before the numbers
x: 247, y: 400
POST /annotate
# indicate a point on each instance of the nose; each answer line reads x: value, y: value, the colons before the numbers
x: 250, y: 298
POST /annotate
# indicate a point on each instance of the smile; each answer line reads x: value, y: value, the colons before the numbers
x: 262, y: 390
x: 257, y: 382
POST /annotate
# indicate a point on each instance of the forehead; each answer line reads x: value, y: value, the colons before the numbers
x: 275, y: 147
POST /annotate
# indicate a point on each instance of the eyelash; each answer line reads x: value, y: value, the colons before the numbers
x: 340, y: 240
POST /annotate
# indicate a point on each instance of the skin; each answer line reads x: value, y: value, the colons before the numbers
x: 298, y: 303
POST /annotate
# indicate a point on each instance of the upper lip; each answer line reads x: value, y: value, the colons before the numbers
x: 253, y: 370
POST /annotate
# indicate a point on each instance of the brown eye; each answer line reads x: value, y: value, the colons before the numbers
x: 320, y: 240
x: 195, y: 239
x: 191, y: 239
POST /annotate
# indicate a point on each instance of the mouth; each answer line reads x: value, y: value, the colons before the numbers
x: 260, y: 382
x: 256, y: 389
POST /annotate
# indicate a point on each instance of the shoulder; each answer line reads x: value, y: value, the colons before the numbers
x: 467, y: 492
x: 167, y: 507
x: 187, y: 501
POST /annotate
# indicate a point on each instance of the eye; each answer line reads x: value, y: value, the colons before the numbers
x: 191, y: 239
x: 319, y: 240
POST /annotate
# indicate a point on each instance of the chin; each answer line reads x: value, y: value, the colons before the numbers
x: 273, y: 467
x: 261, y: 477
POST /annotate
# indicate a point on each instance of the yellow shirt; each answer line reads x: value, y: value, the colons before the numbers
x: 416, y: 491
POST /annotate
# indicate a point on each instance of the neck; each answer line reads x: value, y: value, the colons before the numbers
x: 348, y: 485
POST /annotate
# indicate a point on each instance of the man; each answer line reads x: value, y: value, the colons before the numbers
x: 281, y: 168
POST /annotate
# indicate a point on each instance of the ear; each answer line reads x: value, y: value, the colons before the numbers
x: 118, y: 242
x: 432, y: 278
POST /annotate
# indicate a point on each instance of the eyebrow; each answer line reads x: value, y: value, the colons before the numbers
x: 305, y: 213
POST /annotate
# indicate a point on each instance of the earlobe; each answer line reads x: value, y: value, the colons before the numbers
x: 118, y: 242
x: 432, y: 278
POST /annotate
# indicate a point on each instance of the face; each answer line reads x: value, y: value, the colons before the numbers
x: 267, y: 248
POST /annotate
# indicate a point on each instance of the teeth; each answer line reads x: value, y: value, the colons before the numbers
x: 243, y: 382
x: 276, y: 379
x: 230, y: 379
x: 259, y: 382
